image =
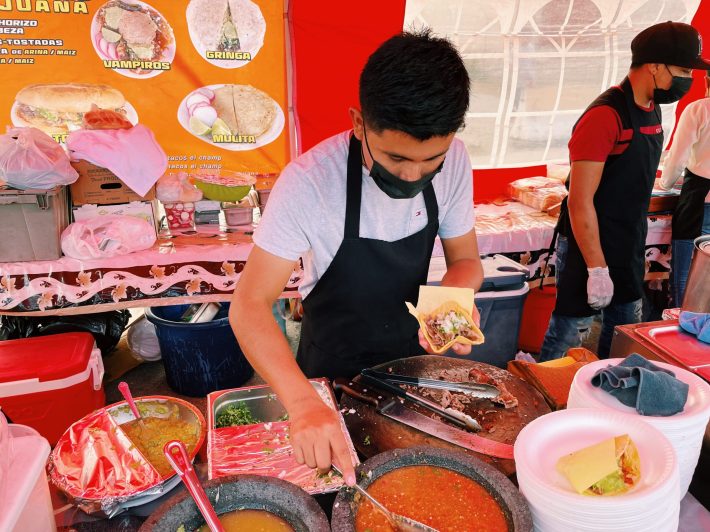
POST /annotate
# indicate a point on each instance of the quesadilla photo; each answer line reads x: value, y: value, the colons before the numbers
x: 132, y: 32
x: 233, y: 117
x: 220, y: 29
x: 58, y: 108
x: 245, y: 110
x: 610, y: 467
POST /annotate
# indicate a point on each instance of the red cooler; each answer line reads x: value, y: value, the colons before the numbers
x: 49, y: 382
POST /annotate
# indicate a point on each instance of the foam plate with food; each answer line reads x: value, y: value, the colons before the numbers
x: 443, y: 315
x: 233, y: 117
x: 134, y: 34
x: 226, y: 33
x: 108, y: 461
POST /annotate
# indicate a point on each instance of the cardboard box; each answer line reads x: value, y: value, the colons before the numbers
x: 141, y: 209
x: 100, y: 186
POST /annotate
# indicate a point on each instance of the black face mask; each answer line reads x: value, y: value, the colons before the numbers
x: 679, y: 88
x: 392, y: 185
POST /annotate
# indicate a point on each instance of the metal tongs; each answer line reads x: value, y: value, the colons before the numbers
x: 399, y: 523
x: 483, y: 391
x: 461, y: 419
x: 177, y: 456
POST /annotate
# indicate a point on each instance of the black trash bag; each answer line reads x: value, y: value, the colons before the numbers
x: 106, y: 327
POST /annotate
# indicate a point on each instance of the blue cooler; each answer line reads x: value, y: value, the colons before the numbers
x: 500, y: 302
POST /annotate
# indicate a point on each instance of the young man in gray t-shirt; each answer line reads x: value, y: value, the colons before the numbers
x: 363, y: 209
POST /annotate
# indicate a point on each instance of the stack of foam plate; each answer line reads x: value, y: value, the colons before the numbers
x: 685, y: 430
x: 651, y: 505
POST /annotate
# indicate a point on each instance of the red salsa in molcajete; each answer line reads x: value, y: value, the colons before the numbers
x: 435, y: 496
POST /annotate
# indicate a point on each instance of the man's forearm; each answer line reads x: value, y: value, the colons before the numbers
x: 266, y: 348
x: 464, y: 273
x: 585, y: 227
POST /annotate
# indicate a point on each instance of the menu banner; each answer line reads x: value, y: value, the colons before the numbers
x: 207, y: 76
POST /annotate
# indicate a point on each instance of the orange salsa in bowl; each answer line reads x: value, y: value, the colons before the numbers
x: 436, y: 496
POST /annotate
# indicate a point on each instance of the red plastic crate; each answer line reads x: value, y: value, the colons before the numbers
x: 49, y: 382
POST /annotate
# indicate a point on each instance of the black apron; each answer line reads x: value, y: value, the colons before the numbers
x: 688, y: 215
x: 621, y: 203
x: 355, y: 316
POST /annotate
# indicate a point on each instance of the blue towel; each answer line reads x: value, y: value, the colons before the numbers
x: 638, y: 383
x: 697, y: 324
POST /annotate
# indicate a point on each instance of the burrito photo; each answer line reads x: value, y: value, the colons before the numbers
x: 226, y: 29
x: 610, y: 467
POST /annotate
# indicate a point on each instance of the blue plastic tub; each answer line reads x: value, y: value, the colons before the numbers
x: 199, y: 358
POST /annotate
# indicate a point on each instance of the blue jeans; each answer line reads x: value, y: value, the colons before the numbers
x: 681, y: 255
x: 564, y: 332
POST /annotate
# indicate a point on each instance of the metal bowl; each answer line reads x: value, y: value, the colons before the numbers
x: 511, y: 502
x: 242, y: 492
x: 107, y: 504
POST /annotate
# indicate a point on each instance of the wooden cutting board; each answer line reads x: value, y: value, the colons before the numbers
x: 373, y: 433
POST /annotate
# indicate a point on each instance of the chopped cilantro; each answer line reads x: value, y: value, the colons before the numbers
x: 366, y: 440
x: 235, y: 414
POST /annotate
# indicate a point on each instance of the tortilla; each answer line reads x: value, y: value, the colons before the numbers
x: 245, y: 109
x: 610, y: 467
x: 450, y: 323
x: 437, y: 299
x: 226, y: 25
x: 223, y: 103
x: 255, y: 110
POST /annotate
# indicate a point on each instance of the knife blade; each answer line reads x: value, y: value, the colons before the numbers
x: 483, y: 391
x: 456, y: 417
x: 394, y: 409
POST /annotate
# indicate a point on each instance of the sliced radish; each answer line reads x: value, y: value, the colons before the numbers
x: 112, y: 52
x: 103, y: 46
x: 206, y: 114
x: 206, y: 92
x: 197, y: 98
x: 195, y: 106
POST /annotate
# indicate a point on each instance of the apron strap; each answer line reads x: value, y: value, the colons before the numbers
x: 432, y: 207
x: 354, y: 190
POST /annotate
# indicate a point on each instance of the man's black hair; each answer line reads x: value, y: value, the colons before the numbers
x: 417, y: 84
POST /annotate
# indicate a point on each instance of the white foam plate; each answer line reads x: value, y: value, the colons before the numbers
x: 545, y: 440
x: 697, y: 405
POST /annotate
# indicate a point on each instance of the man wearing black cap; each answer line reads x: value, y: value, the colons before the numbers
x: 614, y: 152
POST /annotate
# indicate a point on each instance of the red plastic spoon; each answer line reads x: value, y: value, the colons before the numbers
x: 126, y: 393
x: 178, y: 458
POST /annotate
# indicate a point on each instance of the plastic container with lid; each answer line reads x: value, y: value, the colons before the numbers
x: 49, y: 382
x: 26, y: 502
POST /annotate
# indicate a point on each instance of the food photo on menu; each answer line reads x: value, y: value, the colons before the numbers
x: 59, y: 108
x: 133, y: 38
x: 227, y: 33
x: 233, y: 117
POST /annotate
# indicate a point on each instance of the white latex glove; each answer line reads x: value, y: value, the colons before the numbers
x: 600, y: 288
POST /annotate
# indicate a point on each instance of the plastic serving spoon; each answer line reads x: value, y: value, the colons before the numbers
x: 399, y: 522
x: 178, y: 458
x: 126, y: 393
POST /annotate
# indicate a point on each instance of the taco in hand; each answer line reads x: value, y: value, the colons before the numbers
x: 610, y: 467
x: 448, y: 324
